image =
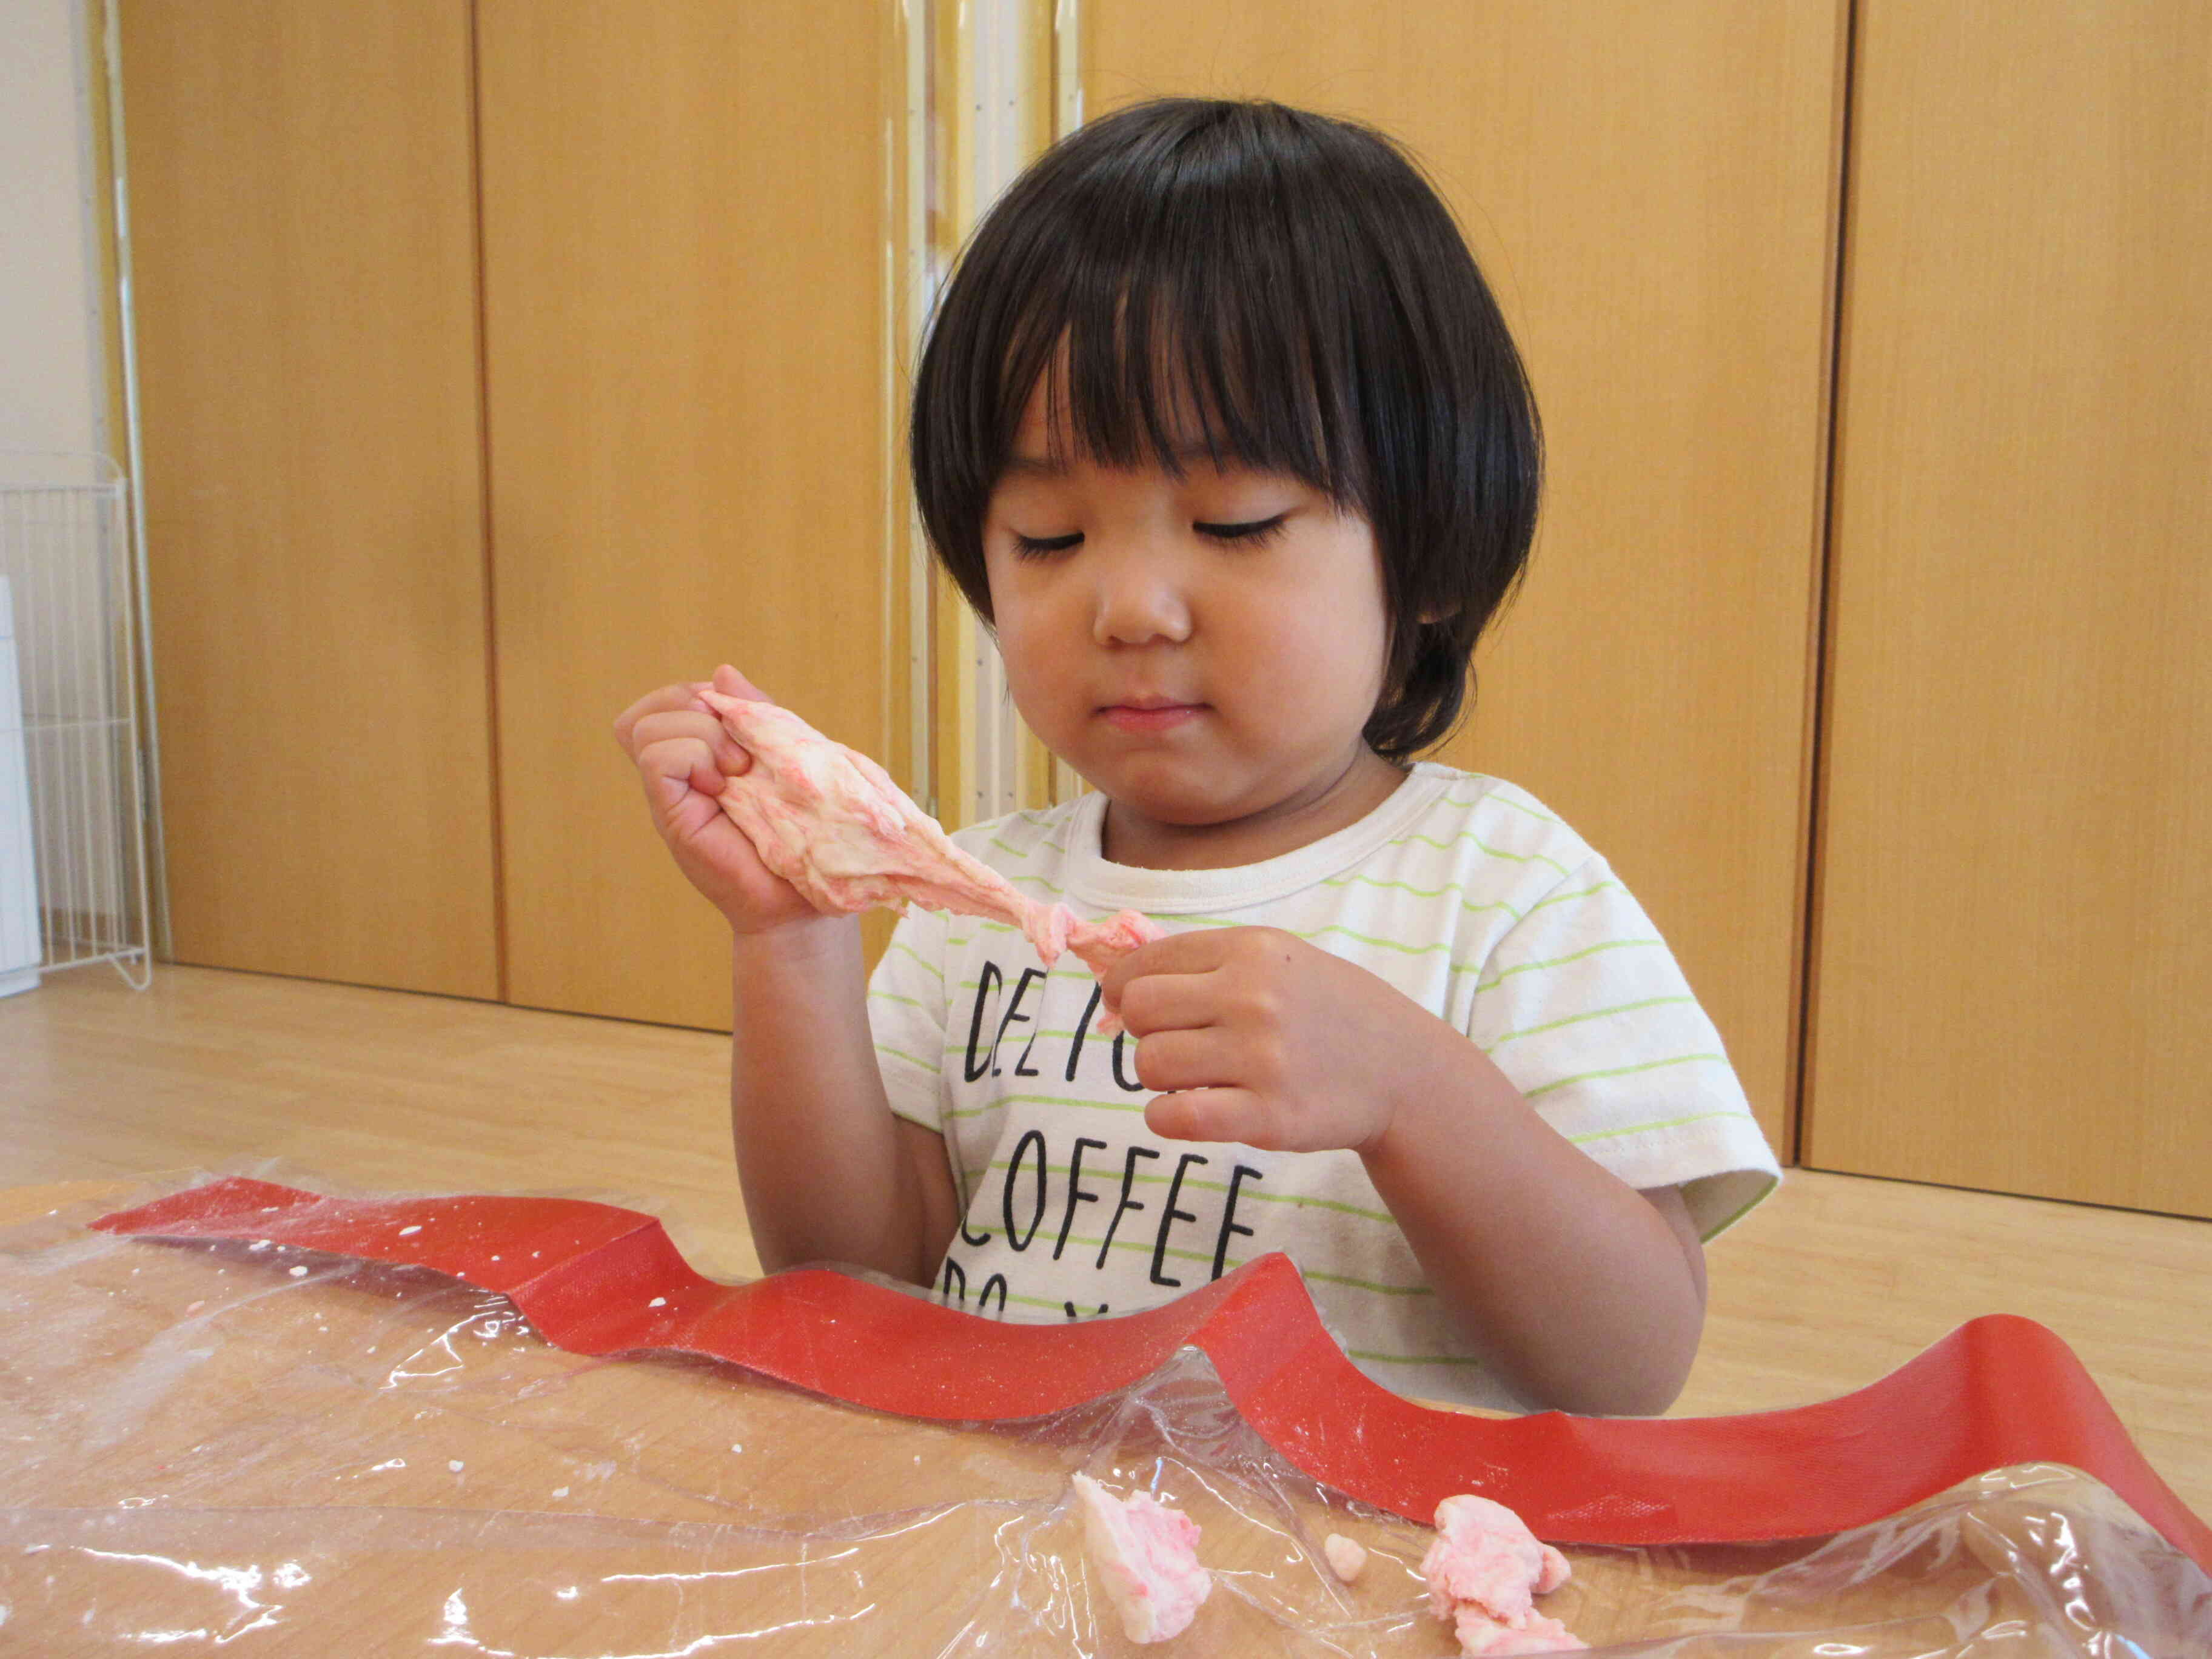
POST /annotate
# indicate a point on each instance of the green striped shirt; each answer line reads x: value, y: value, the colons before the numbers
x: 1462, y: 892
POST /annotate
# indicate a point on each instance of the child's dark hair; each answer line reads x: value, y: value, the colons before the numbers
x: 1299, y: 279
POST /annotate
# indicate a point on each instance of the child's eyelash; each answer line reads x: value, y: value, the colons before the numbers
x: 1261, y: 530
x: 1253, y: 534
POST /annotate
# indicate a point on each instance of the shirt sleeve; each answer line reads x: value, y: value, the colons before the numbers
x: 906, y: 1018
x: 1583, y: 1006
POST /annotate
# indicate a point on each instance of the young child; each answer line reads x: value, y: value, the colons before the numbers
x: 1220, y: 428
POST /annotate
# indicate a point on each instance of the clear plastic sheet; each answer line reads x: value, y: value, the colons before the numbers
x: 215, y: 1447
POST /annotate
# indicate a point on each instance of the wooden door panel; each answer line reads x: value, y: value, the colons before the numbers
x: 2012, y: 962
x: 304, y: 248
x: 686, y: 303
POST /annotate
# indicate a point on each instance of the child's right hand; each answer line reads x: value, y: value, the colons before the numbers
x: 684, y: 758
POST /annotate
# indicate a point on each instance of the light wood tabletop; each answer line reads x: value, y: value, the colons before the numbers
x: 1832, y: 1284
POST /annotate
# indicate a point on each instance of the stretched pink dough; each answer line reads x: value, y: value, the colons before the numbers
x: 832, y: 823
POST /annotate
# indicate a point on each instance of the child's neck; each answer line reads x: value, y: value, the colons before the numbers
x: 1128, y: 837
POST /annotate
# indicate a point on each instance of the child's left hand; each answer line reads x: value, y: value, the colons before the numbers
x: 1264, y: 1039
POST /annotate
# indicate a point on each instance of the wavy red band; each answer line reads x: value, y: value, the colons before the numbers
x: 595, y: 1278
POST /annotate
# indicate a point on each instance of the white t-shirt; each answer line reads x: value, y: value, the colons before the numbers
x: 1461, y: 890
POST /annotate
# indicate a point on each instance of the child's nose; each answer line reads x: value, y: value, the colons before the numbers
x: 1140, y: 601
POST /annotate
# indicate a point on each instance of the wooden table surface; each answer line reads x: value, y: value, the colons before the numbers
x: 215, y: 1444
x: 1832, y: 1284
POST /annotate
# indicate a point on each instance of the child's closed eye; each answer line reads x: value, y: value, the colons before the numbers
x: 1258, y: 530
x: 1255, y: 534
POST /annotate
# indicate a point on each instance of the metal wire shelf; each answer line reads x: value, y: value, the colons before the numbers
x: 74, y: 878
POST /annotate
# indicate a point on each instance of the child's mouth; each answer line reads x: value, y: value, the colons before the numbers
x: 1161, y: 717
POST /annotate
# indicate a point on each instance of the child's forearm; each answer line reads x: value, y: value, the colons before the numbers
x: 829, y: 1173
x: 1582, y: 1293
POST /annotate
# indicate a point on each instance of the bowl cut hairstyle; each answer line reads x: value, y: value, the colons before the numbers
x: 1293, y: 283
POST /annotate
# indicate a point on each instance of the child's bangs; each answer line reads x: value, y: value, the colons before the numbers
x: 1164, y: 360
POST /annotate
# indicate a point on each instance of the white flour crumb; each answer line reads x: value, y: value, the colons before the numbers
x: 195, y: 1307
x: 560, y: 1491
x: 417, y: 1228
x: 658, y: 1302
x: 736, y: 1448
x: 299, y: 1272
x: 262, y: 1244
x: 455, y: 1464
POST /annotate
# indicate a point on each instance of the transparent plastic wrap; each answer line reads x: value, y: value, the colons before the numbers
x: 250, y: 1447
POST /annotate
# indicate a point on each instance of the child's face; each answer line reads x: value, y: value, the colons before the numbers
x: 1206, y: 652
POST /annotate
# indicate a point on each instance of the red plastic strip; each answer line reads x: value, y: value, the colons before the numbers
x: 595, y: 1278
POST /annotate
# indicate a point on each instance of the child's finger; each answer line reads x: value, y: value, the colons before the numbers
x: 1181, y: 1058
x: 689, y: 724
x: 731, y: 684
x: 1197, y: 951
x: 1236, y: 1115
x: 675, y: 765
x: 1167, y: 1003
x: 664, y: 700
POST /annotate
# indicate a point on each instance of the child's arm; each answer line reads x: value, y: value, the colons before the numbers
x: 1581, y: 1292
x: 829, y: 1173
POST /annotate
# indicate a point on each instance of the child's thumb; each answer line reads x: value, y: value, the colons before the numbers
x: 731, y: 683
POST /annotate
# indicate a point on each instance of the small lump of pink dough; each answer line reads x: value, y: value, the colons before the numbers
x: 1482, y: 1569
x: 1146, y: 1558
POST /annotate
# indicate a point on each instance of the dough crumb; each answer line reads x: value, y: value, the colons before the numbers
x: 1146, y: 1558
x: 1346, y: 1558
x: 1483, y: 1571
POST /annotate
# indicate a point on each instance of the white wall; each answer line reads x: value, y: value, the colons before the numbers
x: 53, y: 384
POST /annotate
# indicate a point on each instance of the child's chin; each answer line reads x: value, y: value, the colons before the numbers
x: 1190, y: 806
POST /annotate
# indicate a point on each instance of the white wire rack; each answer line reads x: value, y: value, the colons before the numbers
x: 73, y: 860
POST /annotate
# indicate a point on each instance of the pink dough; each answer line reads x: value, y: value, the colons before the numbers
x: 1146, y: 1558
x: 1483, y: 1571
x: 831, y: 823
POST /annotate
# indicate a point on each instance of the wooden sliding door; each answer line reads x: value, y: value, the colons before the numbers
x: 687, y: 301
x: 2014, y: 962
x: 302, y: 197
